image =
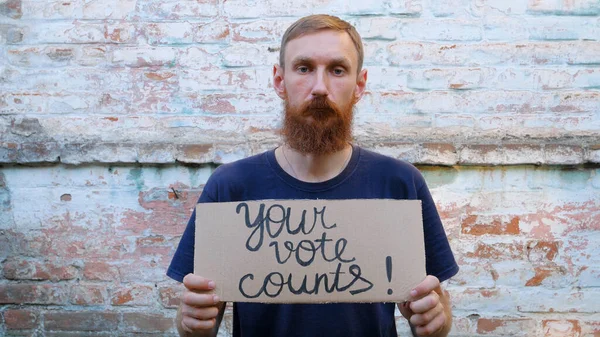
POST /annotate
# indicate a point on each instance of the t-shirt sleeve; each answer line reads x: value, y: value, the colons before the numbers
x: 439, y: 260
x: 183, y: 260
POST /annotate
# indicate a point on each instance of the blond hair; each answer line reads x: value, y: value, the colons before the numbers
x: 314, y: 23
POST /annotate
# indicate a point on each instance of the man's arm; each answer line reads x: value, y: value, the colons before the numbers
x: 429, y: 312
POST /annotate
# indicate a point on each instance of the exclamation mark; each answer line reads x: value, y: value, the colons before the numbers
x: 388, y: 268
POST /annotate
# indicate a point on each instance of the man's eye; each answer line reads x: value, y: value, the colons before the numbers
x: 338, y: 71
x: 303, y: 69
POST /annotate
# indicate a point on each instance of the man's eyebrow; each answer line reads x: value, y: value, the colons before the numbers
x: 302, y: 59
x: 341, y: 61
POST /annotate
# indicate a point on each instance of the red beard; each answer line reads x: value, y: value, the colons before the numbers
x: 317, y: 127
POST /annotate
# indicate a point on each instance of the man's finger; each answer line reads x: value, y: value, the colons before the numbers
x: 195, y: 282
x: 423, y: 289
x: 206, y: 313
x: 200, y: 300
x: 427, y: 316
x: 432, y: 327
x: 191, y: 324
x: 426, y: 303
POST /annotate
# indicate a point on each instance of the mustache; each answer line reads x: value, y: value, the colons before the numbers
x: 319, y: 105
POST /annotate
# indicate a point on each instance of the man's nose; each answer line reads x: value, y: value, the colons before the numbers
x: 321, y: 85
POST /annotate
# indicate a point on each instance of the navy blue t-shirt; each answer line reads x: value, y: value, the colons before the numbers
x: 368, y: 175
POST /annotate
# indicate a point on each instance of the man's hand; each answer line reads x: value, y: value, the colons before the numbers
x: 428, y: 310
x: 200, y: 312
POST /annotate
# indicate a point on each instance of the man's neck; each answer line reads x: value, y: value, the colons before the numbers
x: 312, y: 168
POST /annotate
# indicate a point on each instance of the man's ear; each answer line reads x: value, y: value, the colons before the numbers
x: 361, y: 85
x: 278, y: 81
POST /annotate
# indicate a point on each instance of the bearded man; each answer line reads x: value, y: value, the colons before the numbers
x: 320, y: 79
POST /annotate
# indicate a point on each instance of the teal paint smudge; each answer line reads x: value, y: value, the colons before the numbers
x: 135, y: 175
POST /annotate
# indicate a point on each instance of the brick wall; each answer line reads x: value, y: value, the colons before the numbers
x: 114, y: 113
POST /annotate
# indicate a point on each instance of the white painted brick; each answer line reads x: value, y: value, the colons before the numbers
x: 212, y: 32
x: 563, y: 28
x: 561, y: 7
x: 439, y: 101
x: 78, y: 9
x: 50, y: 9
x: 386, y: 78
x: 122, y: 32
x: 376, y: 53
x: 238, y: 9
x: 505, y: 28
x: 593, y: 155
x: 392, y: 103
x: 405, y: 7
x: 564, y: 300
x: 442, y: 8
x: 266, y: 30
x: 70, y: 79
x: 205, y: 57
x: 225, y: 80
x: 503, y: 7
x: 108, y: 9
x: 455, y: 124
x: 460, y: 78
x: 441, y: 30
x: 246, y: 55
x: 143, y: 57
x: 378, y: 28
x: 587, y: 79
x: 89, y: 56
x: 407, y: 53
x: 399, y: 151
x: 63, y: 32
x: 177, y: 10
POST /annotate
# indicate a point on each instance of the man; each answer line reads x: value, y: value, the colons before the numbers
x: 320, y: 78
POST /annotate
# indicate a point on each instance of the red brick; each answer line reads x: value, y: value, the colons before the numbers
x: 143, y: 322
x: 88, y: 294
x: 19, y: 319
x: 100, y: 271
x: 14, y: 269
x: 170, y: 296
x: 543, y: 272
x: 495, y: 225
x: 542, y: 251
x: 168, y: 216
x: 55, y: 272
x: 505, y: 326
x: 133, y: 295
x: 156, y: 240
x: 83, y: 334
x: 81, y: 321
x: 146, y: 271
x: 561, y: 328
x: 32, y: 294
x: 498, y: 251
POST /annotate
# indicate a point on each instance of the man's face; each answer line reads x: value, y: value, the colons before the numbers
x: 320, y: 85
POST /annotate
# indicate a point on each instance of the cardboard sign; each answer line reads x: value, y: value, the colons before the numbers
x: 311, y: 251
